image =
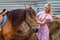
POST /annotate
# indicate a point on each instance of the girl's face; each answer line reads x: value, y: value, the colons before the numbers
x: 46, y: 9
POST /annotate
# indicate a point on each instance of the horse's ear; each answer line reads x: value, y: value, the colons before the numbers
x: 30, y: 7
x: 26, y: 6
x: 3, y: 10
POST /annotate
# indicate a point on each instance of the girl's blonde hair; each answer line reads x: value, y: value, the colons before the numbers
x: 50, y: 8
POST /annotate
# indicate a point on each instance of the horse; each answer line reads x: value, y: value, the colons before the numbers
x: 15, y: 18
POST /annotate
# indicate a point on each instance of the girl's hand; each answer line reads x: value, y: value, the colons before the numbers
x: 38, y: 22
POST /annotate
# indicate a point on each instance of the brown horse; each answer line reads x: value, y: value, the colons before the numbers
x: 15, y: 18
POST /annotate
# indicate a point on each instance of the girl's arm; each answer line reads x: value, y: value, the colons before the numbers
x: 43, y: 22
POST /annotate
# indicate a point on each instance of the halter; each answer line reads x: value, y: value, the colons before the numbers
x: 27, y: 21
x: 31, y: 25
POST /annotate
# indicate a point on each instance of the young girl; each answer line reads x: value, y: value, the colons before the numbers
x: 44, y: 17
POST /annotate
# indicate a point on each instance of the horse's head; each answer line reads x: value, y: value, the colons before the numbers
x: 31, y: 16
x: 31, y: 19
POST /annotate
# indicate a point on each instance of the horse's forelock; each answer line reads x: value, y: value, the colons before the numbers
x: 32, y: 13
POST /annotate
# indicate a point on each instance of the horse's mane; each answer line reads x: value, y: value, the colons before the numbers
x: 16, y: 16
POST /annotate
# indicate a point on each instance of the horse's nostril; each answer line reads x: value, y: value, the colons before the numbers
x: 35, y: 30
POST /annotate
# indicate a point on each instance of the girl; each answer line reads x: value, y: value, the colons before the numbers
x: 44, y: 17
